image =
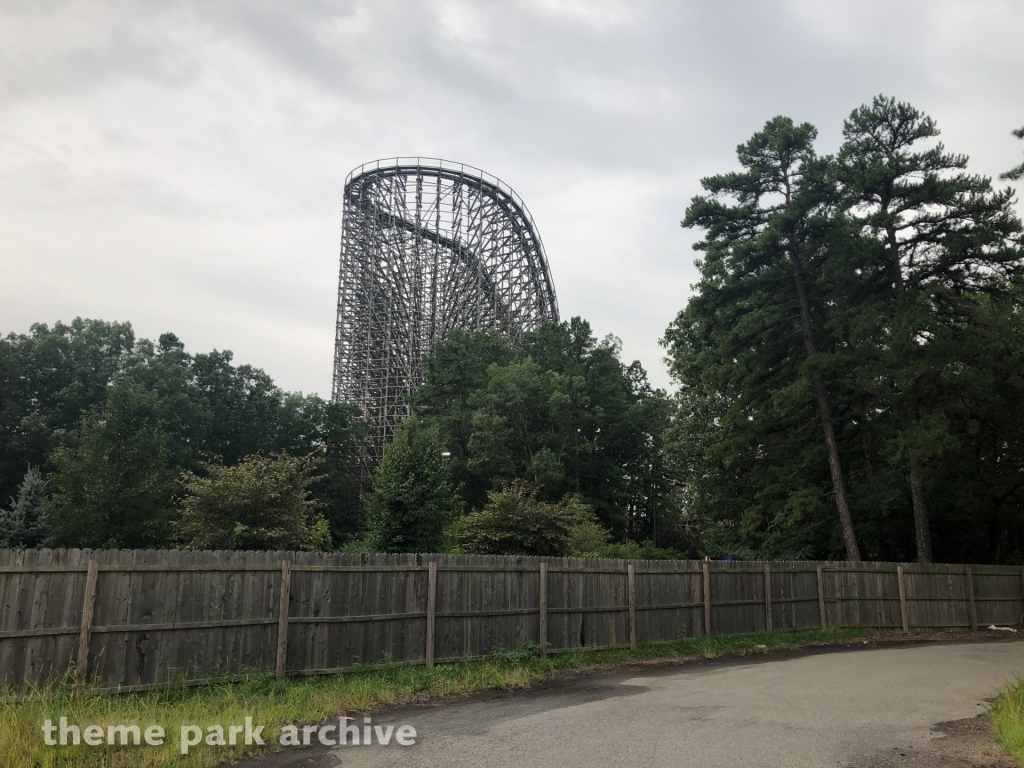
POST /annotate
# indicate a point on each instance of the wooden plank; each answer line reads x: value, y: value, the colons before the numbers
x: 543, y: 603
x: 198, y: 612
x: 707, y: 597
x: 431, y: 608
x: 631, y: 576
x: 85, y: 631
x: 168, y: 593
x: 821, y: 598
x: 903, y: 598
x: 282, y: 620
x: 971, y: 607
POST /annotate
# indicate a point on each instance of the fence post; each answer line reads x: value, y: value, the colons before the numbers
x: 631, y: 578
x: 88, y: 607
x: 1022, y: 595
x: 431, y: 609
x: 282, y: 619
x: 707, y: 598
x: 972, y: 609
x: 543, y: 635
x: 821, y: 598
x: 767, y: 598
x: 903, y: 598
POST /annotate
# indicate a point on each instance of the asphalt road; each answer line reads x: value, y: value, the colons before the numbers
x: 854, y: 707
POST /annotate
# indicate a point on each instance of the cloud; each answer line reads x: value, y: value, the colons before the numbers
x: 181, y: 165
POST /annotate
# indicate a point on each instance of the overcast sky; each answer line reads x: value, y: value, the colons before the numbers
x: 180, y: 165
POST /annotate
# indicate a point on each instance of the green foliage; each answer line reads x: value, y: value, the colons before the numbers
x: 912, y: 274
x: 261, y: 503
x: 26, y: 524
x: 588, y: 535
x: 560, y: 411
x: 69, y: 398
x: 1008, y: 717
x: 114, y: 488
x: 49, y: 378
x: 514, y: 522
x: 1016, y: 173
x: 525, y: 654
x: 750, y: 352
x: 412, y: 500
x: 633, y: 550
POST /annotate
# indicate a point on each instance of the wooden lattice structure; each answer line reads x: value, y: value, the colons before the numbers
x: 427, y: 246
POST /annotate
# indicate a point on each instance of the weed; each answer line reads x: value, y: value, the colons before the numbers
x: 1008, y: 717
x: 274, y: 702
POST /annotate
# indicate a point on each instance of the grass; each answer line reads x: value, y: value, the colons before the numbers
x: 273, y: 703
x: 1008, y: 718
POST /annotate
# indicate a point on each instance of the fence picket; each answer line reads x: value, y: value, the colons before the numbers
x: 141, y: 619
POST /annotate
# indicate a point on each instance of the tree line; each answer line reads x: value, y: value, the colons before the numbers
x: 550, y: 447
x: 848, y: 372
x: 106, y: 440
x: 850, y: 366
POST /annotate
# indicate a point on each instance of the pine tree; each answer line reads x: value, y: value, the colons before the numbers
x: 25, y: 525
x: 938, y: 236
x: 753, y: 333
x: 1017, y: 173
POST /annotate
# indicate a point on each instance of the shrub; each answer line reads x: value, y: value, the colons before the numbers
x: 263, y: 502
x: 513, y: 522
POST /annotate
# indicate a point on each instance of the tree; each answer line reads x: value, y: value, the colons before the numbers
x: 560, y: 411
x: 754, y: 314
x: 263, y: 503
x: 454, y: 370
x: 114, y: 488
x: 412, y: 498
x: 49, y: 377
x: 939, y: 237
x: 1017, y: 173
x: 514, y: 522
x: 26, y: 524
x: 308, y: 422
x: 913, y: 285
x: 56, y: 390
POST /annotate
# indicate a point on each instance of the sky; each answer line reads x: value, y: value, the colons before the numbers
x: 180, y: 165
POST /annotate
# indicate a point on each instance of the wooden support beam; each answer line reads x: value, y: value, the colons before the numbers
x: 971, y: 607
x: 903, y: 598
x: 543, y: 634
x: 631, y: 578
x: 85, y: 633
x: 707, y: 597
x: 431, y: 611
x: 282, y: 619
x: 821, y: 598
x: 767, y: 598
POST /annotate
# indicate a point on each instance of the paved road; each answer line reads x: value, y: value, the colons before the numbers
x: 852, y: 707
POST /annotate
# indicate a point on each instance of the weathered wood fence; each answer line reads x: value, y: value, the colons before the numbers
x: 134, y: 620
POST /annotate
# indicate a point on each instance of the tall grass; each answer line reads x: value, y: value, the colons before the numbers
x: 273, y: 703
x: 1008, y: 718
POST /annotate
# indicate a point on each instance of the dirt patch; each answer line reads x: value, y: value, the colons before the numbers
x: 968, y: 743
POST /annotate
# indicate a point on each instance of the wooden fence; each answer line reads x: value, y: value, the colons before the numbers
x: 133, y: 620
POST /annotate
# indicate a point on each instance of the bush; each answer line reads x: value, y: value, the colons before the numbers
x: 262, y: 503
x: 513, y: 522
x: 633, y: 550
